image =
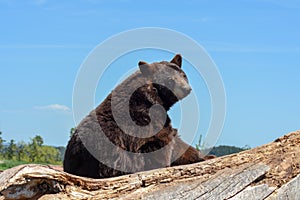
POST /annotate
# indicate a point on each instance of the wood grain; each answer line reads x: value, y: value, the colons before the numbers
x: 267, y: 172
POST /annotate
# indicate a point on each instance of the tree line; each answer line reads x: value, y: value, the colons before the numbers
x: 221, y: 150
x: 34, y: 151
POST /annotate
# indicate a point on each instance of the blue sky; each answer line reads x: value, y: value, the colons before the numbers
x: 254, y: 43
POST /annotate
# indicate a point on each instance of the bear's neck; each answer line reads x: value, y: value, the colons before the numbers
x: 166, y: 96
x: 143, y: 98
x: 140, y: 103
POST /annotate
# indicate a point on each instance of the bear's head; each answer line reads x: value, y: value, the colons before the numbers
x: 168, y: 79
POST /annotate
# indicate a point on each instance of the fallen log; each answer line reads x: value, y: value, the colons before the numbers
x: 271, y: 172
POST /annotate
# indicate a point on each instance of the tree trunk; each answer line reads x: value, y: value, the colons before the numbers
x: 268, y: 172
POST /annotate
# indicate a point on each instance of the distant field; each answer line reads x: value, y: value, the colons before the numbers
x: 6, y: 164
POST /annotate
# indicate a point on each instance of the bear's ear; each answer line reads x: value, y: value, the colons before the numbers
x: 145, y: 68
x: 177, y: 60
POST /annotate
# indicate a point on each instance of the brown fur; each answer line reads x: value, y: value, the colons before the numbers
x: 79, y: 161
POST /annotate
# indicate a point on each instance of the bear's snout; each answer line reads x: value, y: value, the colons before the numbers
x: 181, y: 92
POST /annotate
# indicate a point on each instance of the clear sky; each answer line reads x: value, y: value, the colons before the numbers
x: 254, y: 43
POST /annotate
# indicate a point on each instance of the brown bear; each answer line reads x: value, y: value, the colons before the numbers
x: 130, y: 130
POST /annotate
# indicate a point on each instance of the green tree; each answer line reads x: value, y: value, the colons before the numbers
x: 38, y: 140
x: 200, y: 144
x: 61, y: 150
x: 11, y: 150
x: 72, y: 131
x: 50, y: 155
x: 225, y: 150
x: 34, y: 149
x: 1, y: 145
x: 20, y: 151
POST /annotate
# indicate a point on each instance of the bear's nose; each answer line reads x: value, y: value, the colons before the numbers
x: 188, y: 89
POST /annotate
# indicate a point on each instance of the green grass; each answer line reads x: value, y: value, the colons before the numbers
x: 6, y: 164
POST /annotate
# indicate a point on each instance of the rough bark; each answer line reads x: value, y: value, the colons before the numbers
x: 267, y: 172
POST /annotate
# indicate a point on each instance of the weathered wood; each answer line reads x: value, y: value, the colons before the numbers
x: 221, y: 186
x: 289, y: 191
x: 238, y: 176
x: 254, y: 193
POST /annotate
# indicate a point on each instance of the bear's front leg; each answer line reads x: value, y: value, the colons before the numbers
x: 185, y: 154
